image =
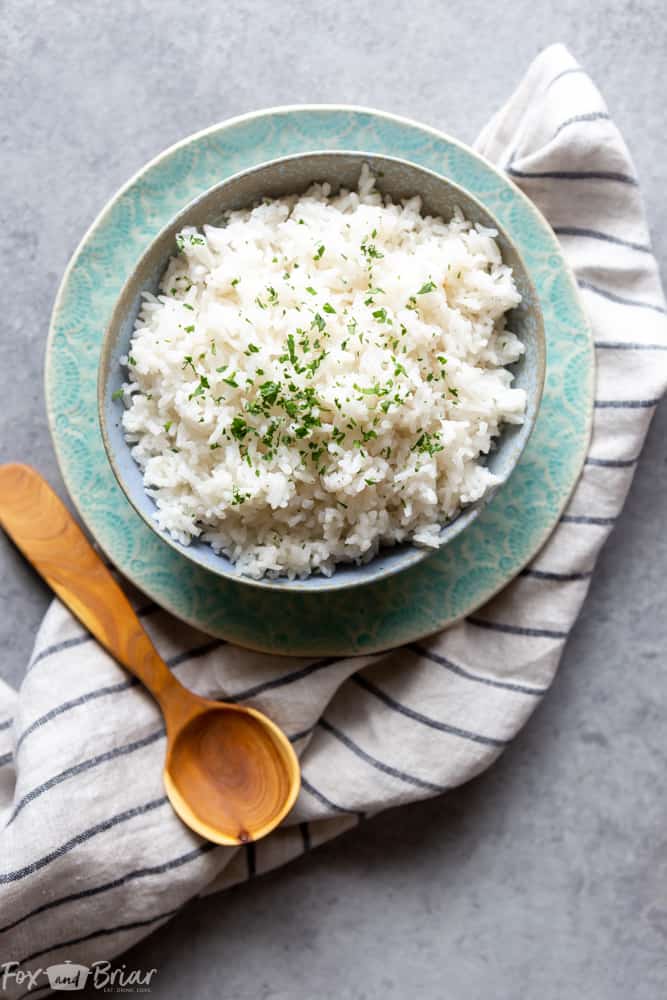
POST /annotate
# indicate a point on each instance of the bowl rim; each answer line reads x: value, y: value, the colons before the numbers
x: 413, y: 555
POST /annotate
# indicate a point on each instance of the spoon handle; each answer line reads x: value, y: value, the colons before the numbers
x: 48, y: 536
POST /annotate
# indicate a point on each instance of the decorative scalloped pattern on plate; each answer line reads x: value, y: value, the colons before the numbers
x: 442, y: 589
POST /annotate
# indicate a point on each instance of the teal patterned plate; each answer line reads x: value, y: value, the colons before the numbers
x: 399, y: 609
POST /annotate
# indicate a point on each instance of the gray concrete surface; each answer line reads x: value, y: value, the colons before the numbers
x: 546, y: 877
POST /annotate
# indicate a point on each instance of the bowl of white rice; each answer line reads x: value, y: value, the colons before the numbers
x: 321, y: 370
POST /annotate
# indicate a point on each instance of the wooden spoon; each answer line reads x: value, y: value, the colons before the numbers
x: 230, y: 773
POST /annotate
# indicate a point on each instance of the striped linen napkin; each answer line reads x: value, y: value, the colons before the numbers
x: 92, y: 857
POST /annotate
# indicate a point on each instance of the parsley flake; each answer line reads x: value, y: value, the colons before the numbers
x: 269, y: 392
x: 239, y: 428
x: 199, y: 391
x: 238, y: 497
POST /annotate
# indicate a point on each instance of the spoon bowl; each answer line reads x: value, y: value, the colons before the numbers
x: 230, y: 773
x: 227, y: 773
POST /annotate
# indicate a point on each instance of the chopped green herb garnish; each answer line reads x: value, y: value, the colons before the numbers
x: 238, y: 497
x: 328, y: 308
x: 239, y: 428
x: 312, y: 366
x: 311, y: 290
x: 269, y: 392
x: 118, y: 394
x: 199, y: 391
x: 291, y: 349
x: 369, y: 250
x: 430, y: 286
x: 319, y: 252
x: 374, y: 390
x: 428, y: 444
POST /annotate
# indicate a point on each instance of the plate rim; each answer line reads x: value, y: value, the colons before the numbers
x: 267, y: 113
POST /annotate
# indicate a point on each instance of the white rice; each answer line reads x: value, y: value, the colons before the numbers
x: 319, y: 377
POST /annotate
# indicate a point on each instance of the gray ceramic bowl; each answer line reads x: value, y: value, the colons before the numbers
x: 291, y: 175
